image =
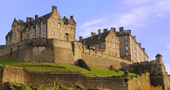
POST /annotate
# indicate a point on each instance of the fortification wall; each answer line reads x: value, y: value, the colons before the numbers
x: 35, y: 50
x: 21, y: 75
x: 139, y: 82
x: 63, y: 52
x: 97, y: 58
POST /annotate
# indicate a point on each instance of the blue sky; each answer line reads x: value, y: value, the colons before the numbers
x: 148, y: 19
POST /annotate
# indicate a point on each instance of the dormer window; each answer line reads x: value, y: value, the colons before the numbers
x: 31, y: 28
x: 27, y: 31
x: 41, y: 24
x: 84, y: 41
x: 99, y: 37
x: 36, y: 26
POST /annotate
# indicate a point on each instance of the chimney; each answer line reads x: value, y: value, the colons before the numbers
x: 20, y: 20
x: 93, y: 34
x: 140, y: 44
x: 99, y: 31
x: 143, y: 49
x: 80, y: 38
x: 72, y: 17
x: 121, y: 29
x: 114, y: 29
x: 54, y: 8
x: 28, y: 19
x: 134, y: 37
x: 36, y: 16
x: 104, y: 30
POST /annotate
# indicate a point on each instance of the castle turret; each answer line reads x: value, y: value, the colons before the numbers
x: 159, y: 58
x: 80, y: 39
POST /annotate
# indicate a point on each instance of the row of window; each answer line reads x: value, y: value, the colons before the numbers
x: 36, y: 27
x: 114, y: 45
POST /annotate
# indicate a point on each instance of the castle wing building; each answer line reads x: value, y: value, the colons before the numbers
x: 106, y: 42
x: 130, y: 49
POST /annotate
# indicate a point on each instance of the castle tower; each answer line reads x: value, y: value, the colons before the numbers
x: 159, y: 58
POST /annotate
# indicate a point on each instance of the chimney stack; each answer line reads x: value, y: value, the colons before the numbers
x: 99, y: 31
x: 72, y: 17
x: 104, y: 30
x: 114, y: 29
x: 28, y: 19
x: 134, y: 37
x: 140, y: 44
x: 93, y: 34
x: 54, y: 8
x: 80, y: 38
x: 121, y: 29
x: 36, y: 16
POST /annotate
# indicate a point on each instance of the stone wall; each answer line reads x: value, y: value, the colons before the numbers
x: 22, y: 75
x: 139, y: 82
x: 58, y: 51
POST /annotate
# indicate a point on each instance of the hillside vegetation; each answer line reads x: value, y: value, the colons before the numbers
x: 58, y: 67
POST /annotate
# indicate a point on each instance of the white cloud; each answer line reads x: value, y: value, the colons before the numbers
x: 168, y: 47
x: 91, y: 23
x: 137, y: 15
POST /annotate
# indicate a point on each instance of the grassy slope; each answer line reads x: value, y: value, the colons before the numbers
x: 94, y: 71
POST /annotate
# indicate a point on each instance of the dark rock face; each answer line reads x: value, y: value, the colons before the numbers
x: 82, y: 64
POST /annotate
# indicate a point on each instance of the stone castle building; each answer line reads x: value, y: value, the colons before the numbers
x: 130, y: 49
x: 51, y: 39
x: 52, y: 26
x: 48, y: 26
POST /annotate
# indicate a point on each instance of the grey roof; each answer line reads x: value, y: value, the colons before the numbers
x: 95, y: 39
x: 68, y: 21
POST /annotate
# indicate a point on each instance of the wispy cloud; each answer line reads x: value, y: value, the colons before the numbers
x: 90, y: 23
x: 138, y: 14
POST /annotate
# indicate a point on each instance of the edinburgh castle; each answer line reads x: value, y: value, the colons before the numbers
x: 51, y: 39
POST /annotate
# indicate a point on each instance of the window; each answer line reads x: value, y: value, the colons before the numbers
x: 59, y: 25
x: 44, y: 33
x: 31, y: 28
x: 84, y: 41
x: 52, y: 24
x: 41, y: 24
x: 39, y: 35
x: 34, y: 36
x: 114, y: 45
x: 101, y: 45
x: 8, y: 38
x: 126, y: 48
x: 118, y: 38
x: 109, y: 44
x: 126, y: 37
x: 58, y: 34
x: 71, y: 28
x: 27, y: 30
x: 36, y: 26
x: 126, y: 53
x: 53, y: 33
x: 29, y: 37
x: 126, y: 42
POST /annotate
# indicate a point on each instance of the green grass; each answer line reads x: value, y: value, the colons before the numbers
x: 71, y: 68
